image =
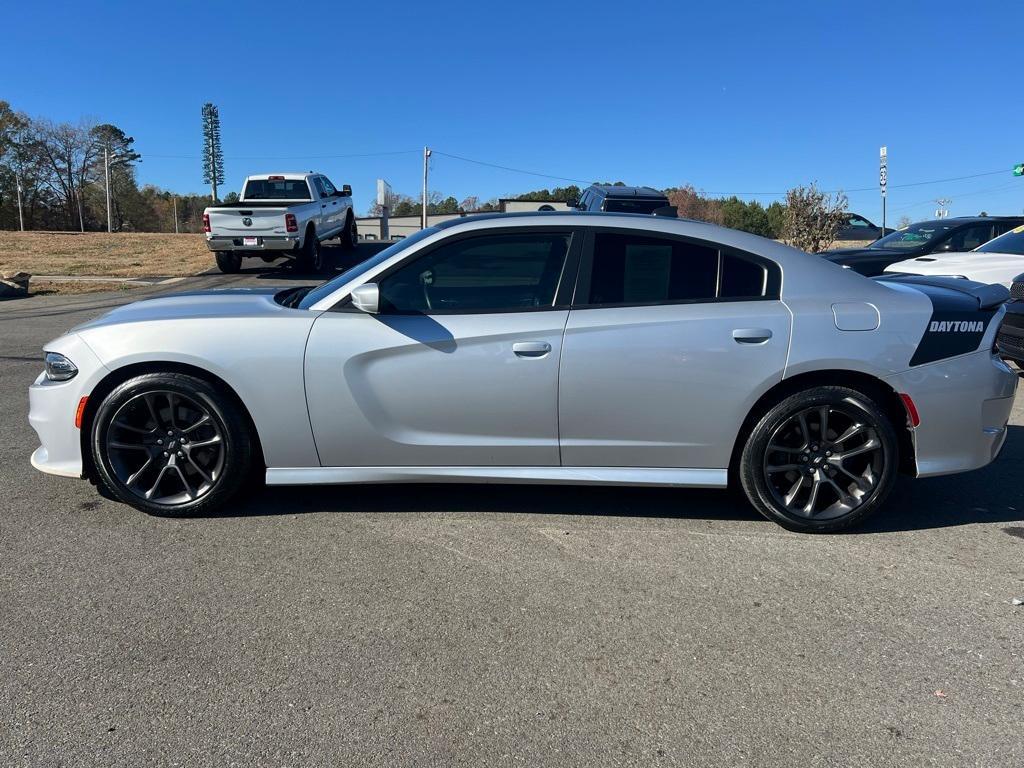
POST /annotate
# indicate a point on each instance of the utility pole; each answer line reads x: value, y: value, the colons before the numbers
x: 106, y: 174
x: 426, y: 170
x: 943, y: 211
x: 17, y: 183
x: 174, y: 199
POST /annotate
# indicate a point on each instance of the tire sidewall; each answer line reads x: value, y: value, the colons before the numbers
x: 237, y: 445
x: 755, y: 484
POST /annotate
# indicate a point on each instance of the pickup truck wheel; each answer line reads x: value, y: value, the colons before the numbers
x: 350, y: 235
x: 228, y: 262
x: 312, y: 257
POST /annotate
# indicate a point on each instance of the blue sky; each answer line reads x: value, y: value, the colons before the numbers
x: 729, y: 96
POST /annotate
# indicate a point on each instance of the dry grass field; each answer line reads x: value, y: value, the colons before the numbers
x: 97, y: 253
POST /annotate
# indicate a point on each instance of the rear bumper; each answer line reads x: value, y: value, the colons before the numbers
x: 964, y: 404
x: 265, y: 243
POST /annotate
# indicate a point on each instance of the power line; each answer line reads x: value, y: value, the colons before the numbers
x: 875, y: 189
x: 509, y: 168
x: 291, y: 157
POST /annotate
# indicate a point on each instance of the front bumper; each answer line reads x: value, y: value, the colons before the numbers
x: 264, y: 243
x: 52, y: 407
x: 964, y: 404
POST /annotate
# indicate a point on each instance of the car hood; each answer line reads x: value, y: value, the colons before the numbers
x: 214, y: 304
x: 983, y: 267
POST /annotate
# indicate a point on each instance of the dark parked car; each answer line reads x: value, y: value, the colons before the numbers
x: 859, y: 228
x: 619, y: 199
x: 939, y: 236
x: 1010, y: 339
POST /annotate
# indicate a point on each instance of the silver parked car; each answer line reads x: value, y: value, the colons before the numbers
x: 540, y: 348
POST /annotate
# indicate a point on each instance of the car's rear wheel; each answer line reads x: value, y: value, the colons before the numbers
x: 228, y: 262
x: 821, y: 460
x: 171, y: 445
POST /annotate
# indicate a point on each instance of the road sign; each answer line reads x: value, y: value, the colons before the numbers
x: 1018, y: 169
x: 883, y: 169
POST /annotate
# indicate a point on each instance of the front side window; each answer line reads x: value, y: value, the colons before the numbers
x: 329, y: 188
x: 969, y: 238
x: 634, y: 269
x: 490, y: 273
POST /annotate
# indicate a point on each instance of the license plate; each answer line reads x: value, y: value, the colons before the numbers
x: 250, y: 241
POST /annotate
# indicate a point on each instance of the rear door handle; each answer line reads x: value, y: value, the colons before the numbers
x: 751, y: 335
x: 531, y: 348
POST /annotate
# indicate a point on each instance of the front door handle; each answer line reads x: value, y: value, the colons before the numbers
x: 751, y: 335
x: 531, y: 348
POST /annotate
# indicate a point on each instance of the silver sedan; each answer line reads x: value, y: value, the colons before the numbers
x: 540, y: 348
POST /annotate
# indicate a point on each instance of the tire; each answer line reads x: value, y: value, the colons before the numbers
x: 349, y: 236
x: 229, y: 262
x: 311, y: 258
x: 790, y: 475
x: 171, y: 445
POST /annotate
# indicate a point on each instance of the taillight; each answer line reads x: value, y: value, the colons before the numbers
x: 913, y: 417
x: 206, y: 222
x: 290, y: 223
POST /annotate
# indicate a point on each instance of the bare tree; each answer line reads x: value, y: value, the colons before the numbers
x: 70, y: 154
x: 904, y: 222
x: 813, y: 217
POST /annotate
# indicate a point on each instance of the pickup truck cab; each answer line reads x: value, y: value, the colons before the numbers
x: 281, y: 214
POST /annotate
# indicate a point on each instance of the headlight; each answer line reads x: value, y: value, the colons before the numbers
x: 59, y: 368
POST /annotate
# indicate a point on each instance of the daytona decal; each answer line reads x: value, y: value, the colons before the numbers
x: 956, y: 326
x: 950, y: 333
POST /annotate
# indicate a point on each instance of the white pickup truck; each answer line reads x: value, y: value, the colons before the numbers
x: 281, y: 214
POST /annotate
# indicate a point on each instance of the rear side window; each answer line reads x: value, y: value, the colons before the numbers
x: 643, y: 205
x: 634, y: 269
x: 490, y: 273
x: 276, y: 189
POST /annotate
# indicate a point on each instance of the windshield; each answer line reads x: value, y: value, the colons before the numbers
x: 633, y: 206
x: 914, y: 236
x: 326, y: 289
x: 1012, y: 242
x: 276, y: 189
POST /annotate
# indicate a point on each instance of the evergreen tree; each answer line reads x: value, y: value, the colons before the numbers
x: 213, y: 157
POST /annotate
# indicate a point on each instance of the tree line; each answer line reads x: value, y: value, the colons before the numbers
x: 62, y: 169
x: 809, y: 219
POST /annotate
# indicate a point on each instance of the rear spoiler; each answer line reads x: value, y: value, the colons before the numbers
x: 987, y: 295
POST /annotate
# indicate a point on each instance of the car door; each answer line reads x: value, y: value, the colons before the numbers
x: 323, y: 217
x: 335, y: 210
x: 459, y: 367
x: 669, y: 343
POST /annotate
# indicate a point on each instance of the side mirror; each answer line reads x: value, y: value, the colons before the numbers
x: 572, y: 202
x: 366, y: 298
x: 346, y: 190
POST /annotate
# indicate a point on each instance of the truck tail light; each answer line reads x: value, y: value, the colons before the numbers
x: 290, y: 223
x: 206, y: 222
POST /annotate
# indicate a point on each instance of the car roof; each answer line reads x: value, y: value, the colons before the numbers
x: 970, y: 219
x: 612, y: 190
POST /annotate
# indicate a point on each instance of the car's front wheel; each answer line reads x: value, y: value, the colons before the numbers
x: 821, y: 460
x: 171, y: 445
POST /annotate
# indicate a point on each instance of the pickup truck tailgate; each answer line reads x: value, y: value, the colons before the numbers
x: 240, y: 222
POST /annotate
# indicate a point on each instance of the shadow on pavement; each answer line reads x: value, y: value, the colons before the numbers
x: 990, y: 495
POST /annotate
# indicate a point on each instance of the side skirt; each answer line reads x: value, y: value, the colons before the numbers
x: 690, y: 478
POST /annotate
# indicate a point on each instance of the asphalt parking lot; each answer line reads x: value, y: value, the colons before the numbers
x: 496, y: 625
